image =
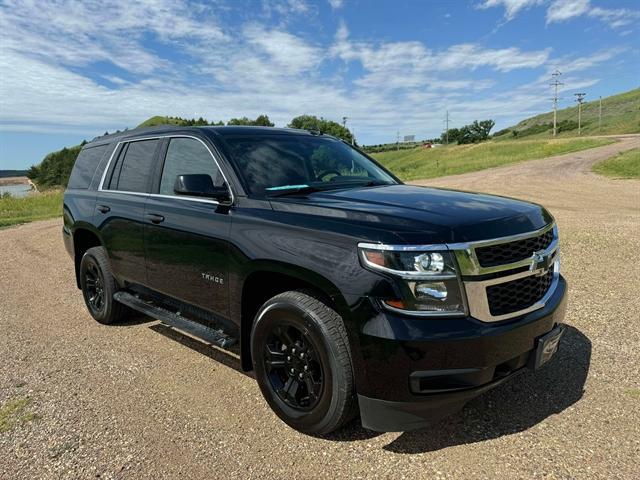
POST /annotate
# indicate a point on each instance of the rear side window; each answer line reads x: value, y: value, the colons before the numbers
x: 133, y: 170
x: 186, y: 156
x: 85, y: 166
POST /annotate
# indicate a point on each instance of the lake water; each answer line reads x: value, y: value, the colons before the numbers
x: 21, y: 190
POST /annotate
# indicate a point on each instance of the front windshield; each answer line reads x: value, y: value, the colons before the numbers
x: 272, y: 164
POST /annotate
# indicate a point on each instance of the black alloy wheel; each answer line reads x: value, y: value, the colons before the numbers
x: 98, y: 286
x: 302, y: 362
x: 294, y: 367
x: 94, y: 287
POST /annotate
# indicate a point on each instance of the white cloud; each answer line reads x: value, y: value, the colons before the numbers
x: 336, y: 4
x: 615, y: 18
x: 511, y: 7
x: 561, y: 10
x: 284, y: 49
x: 406, y: 57
x: 49, y: 81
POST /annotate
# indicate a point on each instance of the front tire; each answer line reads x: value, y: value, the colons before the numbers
x: 98, y: 286
x: 302, y: 362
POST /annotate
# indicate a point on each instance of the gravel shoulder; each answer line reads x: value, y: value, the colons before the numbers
x: 142, y: 401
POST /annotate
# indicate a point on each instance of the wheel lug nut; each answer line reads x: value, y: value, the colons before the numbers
x: 300, y: 375
x: 293, y: 371
x: 301, y: 356
x: 293, y: 350
x: 288, y: 358
x: 306, y: 368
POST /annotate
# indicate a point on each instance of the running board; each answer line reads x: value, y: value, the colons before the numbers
x: 175, y: 320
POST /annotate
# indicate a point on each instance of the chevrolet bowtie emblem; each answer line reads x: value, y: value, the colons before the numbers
x: 540, y: 261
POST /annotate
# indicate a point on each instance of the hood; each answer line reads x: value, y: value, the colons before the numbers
x: 422, y: 214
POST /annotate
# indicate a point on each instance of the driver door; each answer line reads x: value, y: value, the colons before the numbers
x: 186, y: 238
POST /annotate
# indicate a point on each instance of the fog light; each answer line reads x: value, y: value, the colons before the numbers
x: 431, y: 291
x: 429, y: 262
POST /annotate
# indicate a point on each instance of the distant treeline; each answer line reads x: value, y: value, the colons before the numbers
x: 475, y: 132
x: 55, y: 168
x: 12, y: 173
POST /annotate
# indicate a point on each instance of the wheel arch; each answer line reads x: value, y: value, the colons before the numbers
x: 266, y: 280
x: 84, y: 238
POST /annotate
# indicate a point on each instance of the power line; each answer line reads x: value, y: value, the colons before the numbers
x: 555, y: 83
x: 580, y: 100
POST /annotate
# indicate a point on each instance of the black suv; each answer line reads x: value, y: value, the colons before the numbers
x: 346, y: 289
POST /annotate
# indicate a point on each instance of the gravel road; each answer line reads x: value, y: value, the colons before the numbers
x: 142, y: 401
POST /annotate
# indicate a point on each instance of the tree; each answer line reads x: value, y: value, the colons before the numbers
x: 263, y: 121
x: 260, y: 121
x: 329, y: 127
x: 473, y: 133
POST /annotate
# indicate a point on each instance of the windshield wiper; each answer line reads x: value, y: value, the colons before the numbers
x: 292, y: 190
x: 303, y: 189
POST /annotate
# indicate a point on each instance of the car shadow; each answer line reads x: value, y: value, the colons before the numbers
x: 512, y: 407
x: 229, y: 358
x: 132, y: 319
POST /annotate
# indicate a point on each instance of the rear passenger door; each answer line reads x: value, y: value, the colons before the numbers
x: 187, y: 237
x: 120, y: 203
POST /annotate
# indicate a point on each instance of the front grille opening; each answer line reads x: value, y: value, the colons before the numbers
x: 510, y: 297
x: 503, y: 253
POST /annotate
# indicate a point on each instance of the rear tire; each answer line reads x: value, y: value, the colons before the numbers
x: 302, y: 362
x: 98, y: 286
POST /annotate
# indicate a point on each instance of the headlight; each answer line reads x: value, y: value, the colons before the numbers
x: 428, y: 282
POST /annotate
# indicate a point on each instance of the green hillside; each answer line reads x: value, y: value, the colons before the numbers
x: 620, y: 114
x: 422, y: 163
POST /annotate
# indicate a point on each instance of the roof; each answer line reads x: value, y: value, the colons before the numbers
x: 231, y: 130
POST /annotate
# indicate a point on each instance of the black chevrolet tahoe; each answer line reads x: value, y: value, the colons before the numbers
x: 347, y: 291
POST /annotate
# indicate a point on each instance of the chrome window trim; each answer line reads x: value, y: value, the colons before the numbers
x: 474, y: 291
x: 157, y: 195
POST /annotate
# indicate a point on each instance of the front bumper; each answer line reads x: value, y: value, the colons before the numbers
x: 414, y: 371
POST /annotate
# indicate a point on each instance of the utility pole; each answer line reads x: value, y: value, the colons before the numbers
x: 555, y: 83
x: 446, y: 132
x: 579, y: 99
x: 398, y: 140
x: 344, y: 121
x: 600, y: 116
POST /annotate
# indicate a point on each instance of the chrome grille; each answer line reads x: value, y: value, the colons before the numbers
x: 507, y: 277
x: 510, y: 252
x: 516, y: 295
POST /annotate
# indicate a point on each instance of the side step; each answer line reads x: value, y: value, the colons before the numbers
x: 175, y: 320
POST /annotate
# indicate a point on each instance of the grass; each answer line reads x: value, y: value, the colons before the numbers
x: 36, y: 206
x: 13, y: 413
x: 620, y: 114
x: 623, y: 165
x: 423, y: 163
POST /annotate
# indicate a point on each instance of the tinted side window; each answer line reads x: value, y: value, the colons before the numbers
x: 186, y: 156
x: 136, y: 167
x: 85, y: 166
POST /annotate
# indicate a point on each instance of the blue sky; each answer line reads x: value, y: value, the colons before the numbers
x: 69, y: 70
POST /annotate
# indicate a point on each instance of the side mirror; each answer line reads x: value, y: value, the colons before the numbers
x: 200, y: 185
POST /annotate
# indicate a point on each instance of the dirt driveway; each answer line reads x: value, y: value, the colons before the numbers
x: 142, y: 401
